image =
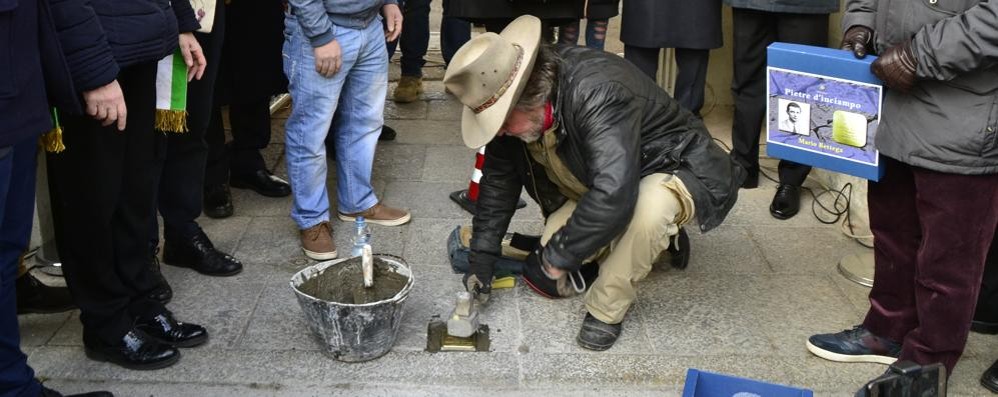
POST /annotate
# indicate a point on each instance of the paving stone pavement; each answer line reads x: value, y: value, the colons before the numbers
x: 755, y: 289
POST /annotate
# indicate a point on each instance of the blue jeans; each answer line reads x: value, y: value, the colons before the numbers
x: 17, y: 206
x: 359, y: 89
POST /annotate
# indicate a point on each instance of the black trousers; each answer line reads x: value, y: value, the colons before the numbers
x: 692, y: 76
x: 103, y: 188
x: 250, y: 123
x: 182, y: 161
x: 753, y: 32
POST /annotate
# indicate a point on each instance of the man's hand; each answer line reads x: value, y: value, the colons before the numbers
x: 393, y: 21
x: 328, y: 59
x: 481, y: 270
x: 896, y: 67
x: 107, y: 105
x: 193, y: 56
x: 858, y: 39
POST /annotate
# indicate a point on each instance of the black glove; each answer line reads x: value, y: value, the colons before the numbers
x: 896, y: 67
x: 858, y: 39
x: 481, y: 270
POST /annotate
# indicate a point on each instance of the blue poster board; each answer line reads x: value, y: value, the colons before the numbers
x: 823, y: 109
x: 708, y: 384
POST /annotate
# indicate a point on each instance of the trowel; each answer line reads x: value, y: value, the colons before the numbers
x: 366, y: 293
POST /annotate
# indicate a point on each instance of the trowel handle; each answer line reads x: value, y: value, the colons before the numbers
x: 367, y: 266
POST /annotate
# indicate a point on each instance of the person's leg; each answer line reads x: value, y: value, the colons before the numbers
x: 646, y: 59
x: 596, y: 33
x: 316, y: 99
x: 182, y: 178
x: 986, y: 311
x: 663, y: 206
x: 17, y: 200
x: 753, y: 32
x: 958, y: 215
x: 250, y: 122
x: 810, y: 29
x: 897, y: 230
x: 568, y: 34
x: 217, y: 198
x: 454, y: 33
x: 359, y: 120
x: 102, y: 202
x: 692, y: 77
x: 415, y: 37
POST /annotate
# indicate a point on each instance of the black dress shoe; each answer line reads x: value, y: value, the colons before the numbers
x: 679, y: 250
x: 135, y: 350
x: 387, y: 133
x: 786, y: 202
x: 163, y: 293
x: 597, y: 335
x: 990, y: 378
x: 35, y: 297
x: 262, y: 182
x: 983, y: 326
x: 166, y: 329
x: 218, y: 201
x: 46, y: 392
x: 199, y: 253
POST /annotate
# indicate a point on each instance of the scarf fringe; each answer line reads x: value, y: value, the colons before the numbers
x: 171, y: 120
x: 52, y: 141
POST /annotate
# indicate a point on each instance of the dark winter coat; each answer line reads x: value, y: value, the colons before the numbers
x: 101, y: 36
x: 251, y: 67
x: 789, y: 6
x: 615, y: 126
x: 23, y: 106
x: 671, y: 24
x: 600, y: 9
x: 484, y: 10
x: 949, y: 121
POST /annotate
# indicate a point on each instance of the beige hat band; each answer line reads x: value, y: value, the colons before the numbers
x: 505, y: 86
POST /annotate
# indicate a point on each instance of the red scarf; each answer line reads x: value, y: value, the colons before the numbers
x: 548, y: 117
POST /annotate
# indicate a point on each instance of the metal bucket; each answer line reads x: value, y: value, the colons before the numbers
x: 352, y: 332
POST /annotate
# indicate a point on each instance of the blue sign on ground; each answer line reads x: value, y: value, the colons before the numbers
x: 823, y: 109
x: 708, y: 384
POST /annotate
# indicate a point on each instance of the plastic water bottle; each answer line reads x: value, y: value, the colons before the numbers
x: 361, y: 236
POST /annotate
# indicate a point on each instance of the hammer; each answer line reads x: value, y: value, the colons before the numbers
x: 463, y: 321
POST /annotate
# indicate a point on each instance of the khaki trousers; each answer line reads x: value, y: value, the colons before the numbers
x: 663, y: 206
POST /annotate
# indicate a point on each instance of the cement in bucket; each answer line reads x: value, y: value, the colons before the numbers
x: 353, y: 332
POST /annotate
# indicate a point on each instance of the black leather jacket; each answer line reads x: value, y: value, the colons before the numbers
x: 615, y: 127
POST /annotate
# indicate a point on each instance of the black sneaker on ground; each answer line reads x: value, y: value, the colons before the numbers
x: 855, y: 345
x: 679, y: 250
x: 597, y: 335
x: 574, y: 282
x: 199, y: 253
x: 35, y: 297
x: 46, y: 392
x: 262, y: 182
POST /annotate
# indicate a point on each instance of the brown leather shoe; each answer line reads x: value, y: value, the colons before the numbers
x: 317, y: 242
x: 380, y: 214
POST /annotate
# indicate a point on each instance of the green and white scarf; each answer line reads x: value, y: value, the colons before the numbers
x: 171, y: 94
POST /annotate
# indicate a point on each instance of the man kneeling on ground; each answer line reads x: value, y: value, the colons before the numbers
x: 615, y: 164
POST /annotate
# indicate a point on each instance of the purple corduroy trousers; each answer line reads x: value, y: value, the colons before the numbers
x: 932, y: 231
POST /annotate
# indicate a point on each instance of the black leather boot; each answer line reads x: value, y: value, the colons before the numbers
x: 217, y: 201
x: 597, y: 335
x: 679, y: 250
x: 35, y: 297
x: 262, y: 182
x: 990, y: 378
x: 199, y: 253
x: 135, y: 350
x: 166, y: 329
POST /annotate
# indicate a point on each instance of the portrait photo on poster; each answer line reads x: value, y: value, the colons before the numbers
x: 795, y: 117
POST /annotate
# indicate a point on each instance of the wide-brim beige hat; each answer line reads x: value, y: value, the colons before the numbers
x: 488, y: 75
